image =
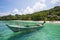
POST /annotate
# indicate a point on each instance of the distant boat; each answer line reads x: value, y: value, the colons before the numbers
x: 17, y: 28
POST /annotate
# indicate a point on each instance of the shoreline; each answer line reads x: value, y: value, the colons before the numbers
x: 33, y: 21
x: 50, y: 21
x: 41, y: 21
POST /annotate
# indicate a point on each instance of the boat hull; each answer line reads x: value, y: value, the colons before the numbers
x: 16, y: 29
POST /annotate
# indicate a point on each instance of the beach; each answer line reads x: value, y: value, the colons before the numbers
x: 43, y: 21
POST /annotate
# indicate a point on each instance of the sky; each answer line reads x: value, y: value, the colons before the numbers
x: 25, y: 6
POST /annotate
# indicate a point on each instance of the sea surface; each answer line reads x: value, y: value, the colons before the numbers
x: 50, y: 31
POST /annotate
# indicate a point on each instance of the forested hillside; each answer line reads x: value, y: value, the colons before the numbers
x: 51, y: 14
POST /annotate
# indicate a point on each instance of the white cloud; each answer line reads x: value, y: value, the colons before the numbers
x: 43, y: 1
x: 4, y: 14
x: 38, y: 6
x: 12, y: 12
x: 54, y: 1
x: 15, y: 11
x: 28, y: 10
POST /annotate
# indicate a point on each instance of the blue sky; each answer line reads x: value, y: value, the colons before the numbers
x: 25, y: 6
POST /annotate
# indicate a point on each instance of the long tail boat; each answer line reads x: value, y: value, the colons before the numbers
x: 17, y: 28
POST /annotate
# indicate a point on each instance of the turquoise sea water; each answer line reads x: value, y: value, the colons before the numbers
x: 50, y: 31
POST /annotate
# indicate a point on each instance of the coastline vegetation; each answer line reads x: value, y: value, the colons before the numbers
x: 51, y: 14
